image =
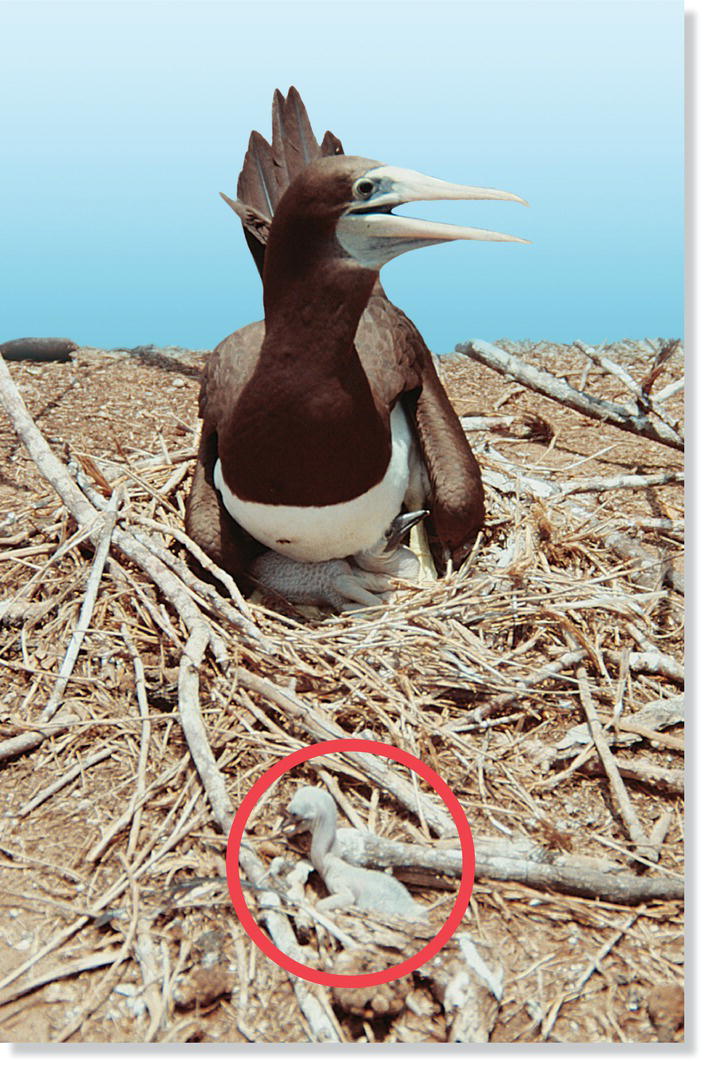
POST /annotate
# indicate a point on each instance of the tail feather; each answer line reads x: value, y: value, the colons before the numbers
x: 268, y: 169
x: 257, y: 185
x: 331, y: 145
x: 294, y: 143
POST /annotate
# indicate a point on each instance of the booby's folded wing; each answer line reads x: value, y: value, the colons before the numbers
x: 227, y: 371
x: 398, y: 363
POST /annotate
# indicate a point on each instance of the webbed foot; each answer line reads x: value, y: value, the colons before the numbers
x: 335, y: 583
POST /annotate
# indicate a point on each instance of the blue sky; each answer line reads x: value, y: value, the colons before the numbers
x: 121, y: 122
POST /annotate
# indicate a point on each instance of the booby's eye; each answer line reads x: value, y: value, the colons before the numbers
x: 363, y: 188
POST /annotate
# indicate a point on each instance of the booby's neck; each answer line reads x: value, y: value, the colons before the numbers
x: 314, y: 296
x: 324, y: 832
x: 307, y: 429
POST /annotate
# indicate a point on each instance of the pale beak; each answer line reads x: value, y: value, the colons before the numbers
x: 290, y: 825
x: 373, y: 236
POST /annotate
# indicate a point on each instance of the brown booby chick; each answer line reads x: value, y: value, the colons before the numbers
x: 327, y: 419
x: 314, y: 810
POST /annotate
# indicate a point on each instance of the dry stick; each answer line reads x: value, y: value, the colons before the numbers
x: 174, y: 479
x: 617, y: 786
x: 86, y: 514
x: 24, y: 593
x: 101, y: 994
x: 670, y: 389
x: 561, y: 776
x: 67, y: 970
x: 550, y: 1019
x: 622, y: 481
x: 146, y: 955
x: 144, y: 863
x: 205, y: 590
x: 206, y: 562
x: 642, y: 639
x: 559, y: 390
x: 145, y: 551
x: 582, y: 881
x: 647, y: 773
x: 45, y: 460
x: 571, y: 878
x: 661, y: 828
x: 526, y: 427
x: 322, y: 1027
x: 652, y: 663
x: 171, y: 586
x: 494, y: 861
x: 621, y: 544
x: 609, y: 365
x: 57, y: 475
x: 23, y: 860
x: 157, y: 612
x: 645, y: 401
x: 345, y: 804
x: 323, y: 729
x: 194, y: 730
x: 674, y: 528
x: 491, y: 707
x: 627, y: 726
x: 321, y: 1021
x: 135, y: 807
x: 98, y: 998
x: 139, y: 802
x: 30, y: 739
x: 75, y: 772
x: 25, y: 742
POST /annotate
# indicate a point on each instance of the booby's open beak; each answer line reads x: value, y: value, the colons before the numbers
x: 373, y: 236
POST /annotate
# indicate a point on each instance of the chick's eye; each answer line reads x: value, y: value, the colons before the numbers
x: 363, y: 188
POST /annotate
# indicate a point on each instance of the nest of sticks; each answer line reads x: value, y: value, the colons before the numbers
x: 543, y: 681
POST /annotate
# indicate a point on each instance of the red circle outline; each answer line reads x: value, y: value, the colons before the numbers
x: 303, y: 755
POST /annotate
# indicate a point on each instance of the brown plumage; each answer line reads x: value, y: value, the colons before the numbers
x: 298, y: 408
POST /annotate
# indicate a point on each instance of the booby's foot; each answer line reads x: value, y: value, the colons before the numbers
x: 336, y: 583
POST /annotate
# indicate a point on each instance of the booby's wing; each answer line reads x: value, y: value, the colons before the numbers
x: 398, y: 363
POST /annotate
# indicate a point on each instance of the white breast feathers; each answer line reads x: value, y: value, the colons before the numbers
x: 313, y: 534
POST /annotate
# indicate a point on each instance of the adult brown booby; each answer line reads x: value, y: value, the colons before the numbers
x: 327, y: 420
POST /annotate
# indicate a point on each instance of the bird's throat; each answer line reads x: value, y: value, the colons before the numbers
x: 323, y: 838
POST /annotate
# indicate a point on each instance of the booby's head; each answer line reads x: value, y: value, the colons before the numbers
x: 308, y: 806
x: 353, y: 198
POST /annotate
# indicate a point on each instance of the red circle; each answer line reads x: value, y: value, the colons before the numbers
x: 311, y: 974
